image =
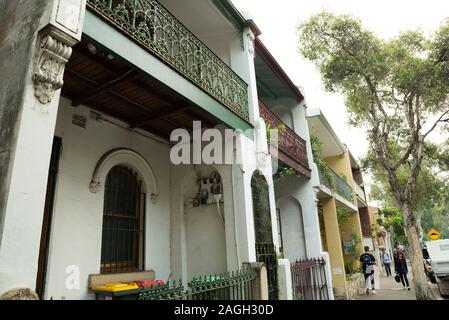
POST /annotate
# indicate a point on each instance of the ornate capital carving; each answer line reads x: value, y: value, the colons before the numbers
x: 94, y: 187
x: 48, y: 76
x: 316, y: 191
x: 252, y: 46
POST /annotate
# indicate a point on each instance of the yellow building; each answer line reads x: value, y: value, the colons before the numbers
x: 338, y: 204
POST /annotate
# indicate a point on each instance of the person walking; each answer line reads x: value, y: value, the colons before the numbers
x: 386, y: 260
x: 367, y: 262
x: 400, y: 266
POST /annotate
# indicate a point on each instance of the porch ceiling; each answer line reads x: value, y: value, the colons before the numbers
x: 319, y: 127
x: 272, y: 81
x: 107, y: 84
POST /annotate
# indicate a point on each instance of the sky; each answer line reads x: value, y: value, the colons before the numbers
x: 278, y: 19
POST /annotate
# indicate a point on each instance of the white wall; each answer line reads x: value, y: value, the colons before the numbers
x: 285, y: 114
x: 199, y: 237
x: 368, y: 241
x: 78, y: 214
x: 292, y: 229
x: 206, y: 244
x: 301, y: 190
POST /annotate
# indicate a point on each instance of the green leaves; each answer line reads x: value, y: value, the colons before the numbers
x: 396, y: 89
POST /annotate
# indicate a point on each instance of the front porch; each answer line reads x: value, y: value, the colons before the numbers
x: 119, y: 205
x: 115, y: 202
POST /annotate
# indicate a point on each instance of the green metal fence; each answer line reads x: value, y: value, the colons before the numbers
x: 228, y: 286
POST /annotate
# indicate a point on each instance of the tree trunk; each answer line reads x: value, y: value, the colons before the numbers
x: 422, y: 288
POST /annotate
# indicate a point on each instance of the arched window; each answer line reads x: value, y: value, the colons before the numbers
x: 123, y: 220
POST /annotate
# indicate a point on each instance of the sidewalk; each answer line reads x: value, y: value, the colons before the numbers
x: 391, y: 290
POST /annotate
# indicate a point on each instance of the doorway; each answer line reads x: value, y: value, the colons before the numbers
x: 265, y: 248
x: 48, y: 215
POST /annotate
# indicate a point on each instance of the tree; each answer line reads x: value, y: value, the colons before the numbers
x: 431, y: 200
x: 394, y: 222
x: 397, y: 90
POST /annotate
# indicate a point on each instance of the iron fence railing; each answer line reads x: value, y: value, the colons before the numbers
x: 309, y: 280
x: 228, y: 286
x: 153, y: 27
x: 266, y: 253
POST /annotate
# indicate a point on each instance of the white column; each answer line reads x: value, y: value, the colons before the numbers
x: 242, y: 62
x: 244, y: 215
x: 285, y: 280
x: 60, y: 29
x: 178, y: 254
x: 330, y: 289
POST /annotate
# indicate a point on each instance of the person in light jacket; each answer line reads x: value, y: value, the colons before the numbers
x: 386, y: 261
x: 400, y: 266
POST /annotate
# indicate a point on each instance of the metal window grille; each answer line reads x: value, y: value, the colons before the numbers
x: 124, y: 205
x: 309, y: 280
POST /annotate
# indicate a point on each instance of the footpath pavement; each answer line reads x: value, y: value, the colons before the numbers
x: 389, y: 289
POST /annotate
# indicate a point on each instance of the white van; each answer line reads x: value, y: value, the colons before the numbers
x: 438, y: 251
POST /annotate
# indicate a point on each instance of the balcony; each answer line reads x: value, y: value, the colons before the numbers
x: 359, y: 192
x: 292, y: 148
x: 154, y: 28
x: 336, y: 183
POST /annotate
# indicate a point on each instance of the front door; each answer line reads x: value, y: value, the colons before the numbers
x: 48, y: 214
x: 265, y: 249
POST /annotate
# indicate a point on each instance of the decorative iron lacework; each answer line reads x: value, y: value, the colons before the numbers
x: 152, y: 26
x: 289, y: 142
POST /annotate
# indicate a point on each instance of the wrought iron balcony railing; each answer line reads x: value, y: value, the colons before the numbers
x: 289, y: 142
x: 153, y: 27
x: 336, y: 183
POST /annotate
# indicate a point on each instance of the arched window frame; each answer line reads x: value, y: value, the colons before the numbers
x: 134, y: 161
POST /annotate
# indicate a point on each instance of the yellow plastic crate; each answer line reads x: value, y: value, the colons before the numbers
x: 116, y: 287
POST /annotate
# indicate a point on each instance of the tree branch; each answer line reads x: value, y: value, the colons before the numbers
x: 440, y: 119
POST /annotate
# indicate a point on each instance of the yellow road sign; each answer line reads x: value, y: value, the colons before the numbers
x: 434, y: 234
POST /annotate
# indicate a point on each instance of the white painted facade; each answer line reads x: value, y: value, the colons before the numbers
x: 296, y: 196
x: 181, y: 241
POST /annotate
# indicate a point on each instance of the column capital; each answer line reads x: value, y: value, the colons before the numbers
x: 53, y: 55
x: 62, y: 29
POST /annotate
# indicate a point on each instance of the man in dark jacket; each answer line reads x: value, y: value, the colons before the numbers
x: 367, y: 262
